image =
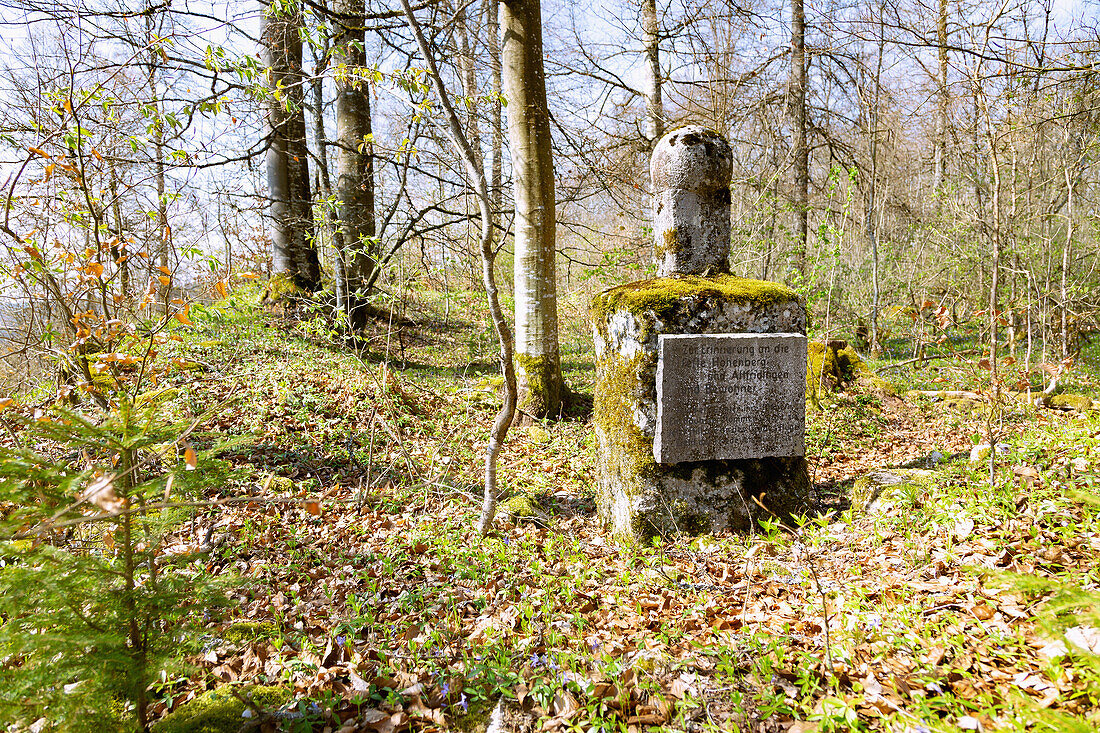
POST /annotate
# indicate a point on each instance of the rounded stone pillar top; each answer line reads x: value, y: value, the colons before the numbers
x: 691, y: 158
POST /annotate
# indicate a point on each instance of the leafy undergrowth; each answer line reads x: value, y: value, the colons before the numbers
x: 949, y: 603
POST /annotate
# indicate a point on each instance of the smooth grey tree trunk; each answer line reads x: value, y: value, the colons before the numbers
x: 496, y: 120
x: 290, y: 209
x: 355, y: 181
x: 799, y: 148
x: 542, y: 388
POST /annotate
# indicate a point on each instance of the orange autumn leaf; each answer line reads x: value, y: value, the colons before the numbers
x: 313, y: 507
x: 220, y: 289
x: 190, y: 458
x: 38, y: 151
x: 181, y: 316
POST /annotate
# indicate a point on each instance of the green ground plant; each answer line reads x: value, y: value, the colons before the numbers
x: 93, y: 609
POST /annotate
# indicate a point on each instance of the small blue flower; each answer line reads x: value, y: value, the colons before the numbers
x: 446, y: 689
x: 464, y: 702
x: 341, y: 640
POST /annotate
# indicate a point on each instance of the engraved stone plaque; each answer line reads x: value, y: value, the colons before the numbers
x: 730, y: 396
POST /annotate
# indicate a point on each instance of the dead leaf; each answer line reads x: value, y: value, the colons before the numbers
x: 101, y: 492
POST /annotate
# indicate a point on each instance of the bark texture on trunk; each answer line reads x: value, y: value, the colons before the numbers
x: 654, y: 107
x: 293, y: 255
x: 537, y: 356
x: 941, y: 112
x: 355, y: 180
x: 799, y: 148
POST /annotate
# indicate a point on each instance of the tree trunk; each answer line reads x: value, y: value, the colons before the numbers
x: 119, y: 249
x: 1067, y: 348
x: 164, y: 232
x: 941, y: 112
x: 799, y: 148
x: 355, y: 183
x: 869, y: 214
x: 476, y: 175
x: 496, y: 144
x: 541, y: 386
x: 293, y: 255
x: 323, y: 177
x: 654, y: 108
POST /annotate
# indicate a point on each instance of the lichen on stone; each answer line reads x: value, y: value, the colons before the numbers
x: 880, y: 491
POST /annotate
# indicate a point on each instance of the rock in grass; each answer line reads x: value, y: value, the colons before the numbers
x: 979, y: 454
x: 881, y: 491
x: 521, y: 507
x: 1076, y: 402
x: 221, y: 711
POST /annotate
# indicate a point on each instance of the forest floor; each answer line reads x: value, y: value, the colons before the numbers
x: 947, y: 603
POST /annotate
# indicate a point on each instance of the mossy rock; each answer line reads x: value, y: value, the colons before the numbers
x: 521, y: 507
x: 281, y: 484
x: 662, y: 296
x: 538, y: 435
x: 881, y: 491
x: 965, y: 404
x: 221, y: 711
x: 829, y: 368
x: 250, y: 631
x: 1077, y: 402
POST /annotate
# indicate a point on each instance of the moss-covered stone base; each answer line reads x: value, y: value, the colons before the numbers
x: 637, y: 497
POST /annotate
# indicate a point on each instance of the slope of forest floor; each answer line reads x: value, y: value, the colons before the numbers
x: 946, y: 604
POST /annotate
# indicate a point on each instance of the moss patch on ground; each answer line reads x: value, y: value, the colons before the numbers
x: 250, y: 631
x: 221, y: 711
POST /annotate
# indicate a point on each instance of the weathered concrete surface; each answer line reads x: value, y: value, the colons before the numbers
x: 691, y: 169
x: 730, y: 396
x: 637, y: 496
x: 700, y: 485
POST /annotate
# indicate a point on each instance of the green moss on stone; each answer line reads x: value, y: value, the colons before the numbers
x: 476, y: 719
x: 520, y: 507
x: 885, y: 489
x: 628, y: 451
x: 220, y: 711
x: 662, y: 295
x: 1078, y: 402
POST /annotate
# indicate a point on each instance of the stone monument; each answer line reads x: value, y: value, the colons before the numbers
x: 700, y: 375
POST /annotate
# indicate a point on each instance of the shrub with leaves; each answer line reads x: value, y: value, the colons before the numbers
x: 91, y: 608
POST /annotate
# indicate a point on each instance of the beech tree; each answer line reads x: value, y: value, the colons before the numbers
x: 290, y: 210
x: 356, y: 246
x: 542, y: 388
